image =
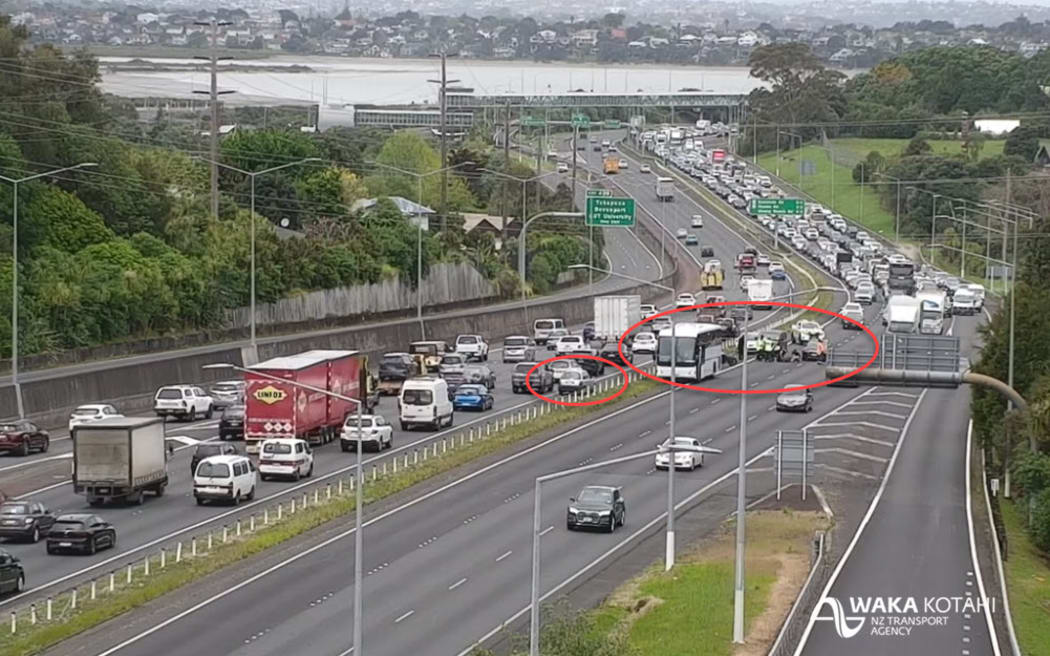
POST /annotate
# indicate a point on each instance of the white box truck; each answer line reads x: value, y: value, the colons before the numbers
x: 614, y: 315
x: 933, y: 306
x: 760, y: 290
x: 665, y: 190
x: 120, y: 458
x: 901, y: 315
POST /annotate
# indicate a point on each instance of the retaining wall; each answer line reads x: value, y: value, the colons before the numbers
x: 49, y: 400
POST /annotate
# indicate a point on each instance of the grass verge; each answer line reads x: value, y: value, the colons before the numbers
x: 89, y: 614
x: 644, y: 617
x: 1027, y: 572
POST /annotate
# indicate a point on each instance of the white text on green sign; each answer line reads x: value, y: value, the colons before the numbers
x: 610, y: 212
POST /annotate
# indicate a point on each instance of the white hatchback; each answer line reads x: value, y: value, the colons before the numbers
x: 644, y: 343
x: 285, y: 458
x: 86, y: 414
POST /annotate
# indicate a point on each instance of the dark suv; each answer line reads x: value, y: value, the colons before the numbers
x: 542, y: 380
x: 231, y: 425
x: 397, y: 366
x: 611, y: 352
x: 209, y: 449
x: 25, y: 520
x: 596, y: 506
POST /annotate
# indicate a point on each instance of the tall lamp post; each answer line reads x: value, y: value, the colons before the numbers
x: 669, y: 544
x: 358, y: 475
x: 419, y: 229
x: 14, y: 269
x: 252, y: 175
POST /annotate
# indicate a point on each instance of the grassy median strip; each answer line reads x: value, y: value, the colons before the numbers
x: 32, y: 639
x: 1027, y: 572
x: 672, y: 614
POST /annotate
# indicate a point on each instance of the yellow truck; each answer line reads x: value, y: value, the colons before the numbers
x: 611, y: 165
x: 712, y: 276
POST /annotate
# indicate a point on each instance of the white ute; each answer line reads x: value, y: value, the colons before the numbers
x: 472, y: 346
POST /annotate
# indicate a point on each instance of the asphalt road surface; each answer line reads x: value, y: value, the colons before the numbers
x: 459, y: 559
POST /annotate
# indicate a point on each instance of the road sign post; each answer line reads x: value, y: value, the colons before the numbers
x: 532, y: 122
x: 795, y: 454
x: 777, y: 206
x: 581, y: 121
x: 610, y: 212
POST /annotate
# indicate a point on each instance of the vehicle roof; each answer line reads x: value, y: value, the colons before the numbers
x: 610, y: 488
x: 120, y: 422
x: 282, y: 439
x: 226, y: 458
x: 301, y: 360
x: 684, y: 329
x: 427, y: 341
x: 93, y: 405
x: 397, y: 354
x: 77, y: 517
x: 422, y: 381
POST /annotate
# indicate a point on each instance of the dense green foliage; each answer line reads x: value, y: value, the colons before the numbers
x: 128, y: 248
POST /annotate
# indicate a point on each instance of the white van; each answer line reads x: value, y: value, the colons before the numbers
x: 285, y: 457
x: 424, y: 401
x: 224, y: 478
x: 541, y: 329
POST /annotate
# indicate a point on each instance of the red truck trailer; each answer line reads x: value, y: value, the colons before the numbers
x: 274, y: 408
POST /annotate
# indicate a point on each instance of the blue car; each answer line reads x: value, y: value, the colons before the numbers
x: 472, y: 397
x: 778, y: 275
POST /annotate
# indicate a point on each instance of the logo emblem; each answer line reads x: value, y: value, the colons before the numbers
x: 270, y: 395
x: 838, y: 616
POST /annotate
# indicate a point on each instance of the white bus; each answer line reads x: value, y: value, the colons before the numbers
x: 698, y: 352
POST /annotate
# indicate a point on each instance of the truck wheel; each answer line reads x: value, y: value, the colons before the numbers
x: 159, y: 490
x: 137, y: 498
x: 404, y: 426
x: 94, y: 501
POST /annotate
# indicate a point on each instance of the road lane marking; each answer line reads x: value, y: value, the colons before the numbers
x: 992, y: 634
x: 546, y: 531
x: 458, y: 583
x: 644, y: 433
x: 38, y: 461
x: 730, y: 429
x: 504, y: 556
x: 404, y: 617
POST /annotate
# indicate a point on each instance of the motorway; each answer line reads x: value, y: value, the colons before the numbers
x: 916, y: 542
x: 459, y: 557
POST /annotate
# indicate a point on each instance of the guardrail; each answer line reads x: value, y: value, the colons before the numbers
x: 791, y: 631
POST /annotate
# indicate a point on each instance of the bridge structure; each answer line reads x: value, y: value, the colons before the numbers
x: 699, y: 100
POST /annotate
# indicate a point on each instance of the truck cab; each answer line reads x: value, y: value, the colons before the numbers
x: 429, y: 353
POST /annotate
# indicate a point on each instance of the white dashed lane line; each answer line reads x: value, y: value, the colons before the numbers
x: 504, y: 556
x: 546, y: 531
x: 404, y: 617
x: 458, y: 583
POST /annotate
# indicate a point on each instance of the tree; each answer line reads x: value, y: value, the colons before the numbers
x: 1022, y: 141
x: 917, y: 147
x: 613, y: 20
x: 63, y: 221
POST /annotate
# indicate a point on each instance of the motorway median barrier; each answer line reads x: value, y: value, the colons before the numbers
x: 46, y: 621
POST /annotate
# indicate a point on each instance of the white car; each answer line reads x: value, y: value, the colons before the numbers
x: 226, y: 393
x: 812, y: 234
x: 647, y: 310
x: 286, y: 458
x: 644, y: 168
x: 644, y: 343
x: 624, y: 164
x: 376, y: 433
x: 573, y: 379
x: 775, y: 267
x: 227, y: 478
x: 559, y: 367
x: 745, y: 280
x: 697, y: 221
x: 682, y: 233
x: 762, y: 260
x: 183, y: 401
x: 86, y: 414
x: 684, y: 300
x: 682, y: 459
x: 571, y: 344
x: 806, y: 329
x: 852, y: 311
x: 864, y: 294
x: 473, y: 346
x: 563, y: 167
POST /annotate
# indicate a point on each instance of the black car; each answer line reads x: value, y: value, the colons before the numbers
x: 814, y: 351
x: 596, y: 506
x: 707, y: 251
x: 24, y: 520
x: 542, y: 379
x: 81, y: 532
x: 588, y: 331
x: 611, y: 352
x: 397, y: 366
x: 480, y: 374
x: 231, y: 424
x: 593, y: 367
x: 209, y: 449
x: 12, y: 576
x: 20, y: 437
x: 795, y: 401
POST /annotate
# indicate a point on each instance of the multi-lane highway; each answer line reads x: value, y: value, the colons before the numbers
x: 474, y: 532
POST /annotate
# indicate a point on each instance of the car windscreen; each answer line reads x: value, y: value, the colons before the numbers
x: 351, y: 422
x: 226, y: 387
x: 453, y: 359
x: 468, y: 339
x: 524, y: 367
x: 85, y: 412
x: 67, y: 524
x: 544, y: 325
x: 469, y: 390
x: 520, y: 341
x: 14, y: 509
x: 213, y: 469
x: 205, y: 450
x: 170, y: 394
x: 417, y: 397
x: 590, y: 495
x: 277, y: 448
x: 425, y: 349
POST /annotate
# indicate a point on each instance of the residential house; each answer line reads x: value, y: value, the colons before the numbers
x: 585, y: 38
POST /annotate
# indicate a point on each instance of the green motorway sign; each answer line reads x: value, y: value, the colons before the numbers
x: 591, y: 193
x: 610, y: 124
x: 777, y: 206
x: 581, y: 121
x: 532, y: 122
x: 609, y: 212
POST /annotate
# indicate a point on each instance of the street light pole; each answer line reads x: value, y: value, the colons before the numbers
x: 14, y: 271
x: 251, y: 175
x: 358, y: 476
x: 741, y: 492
